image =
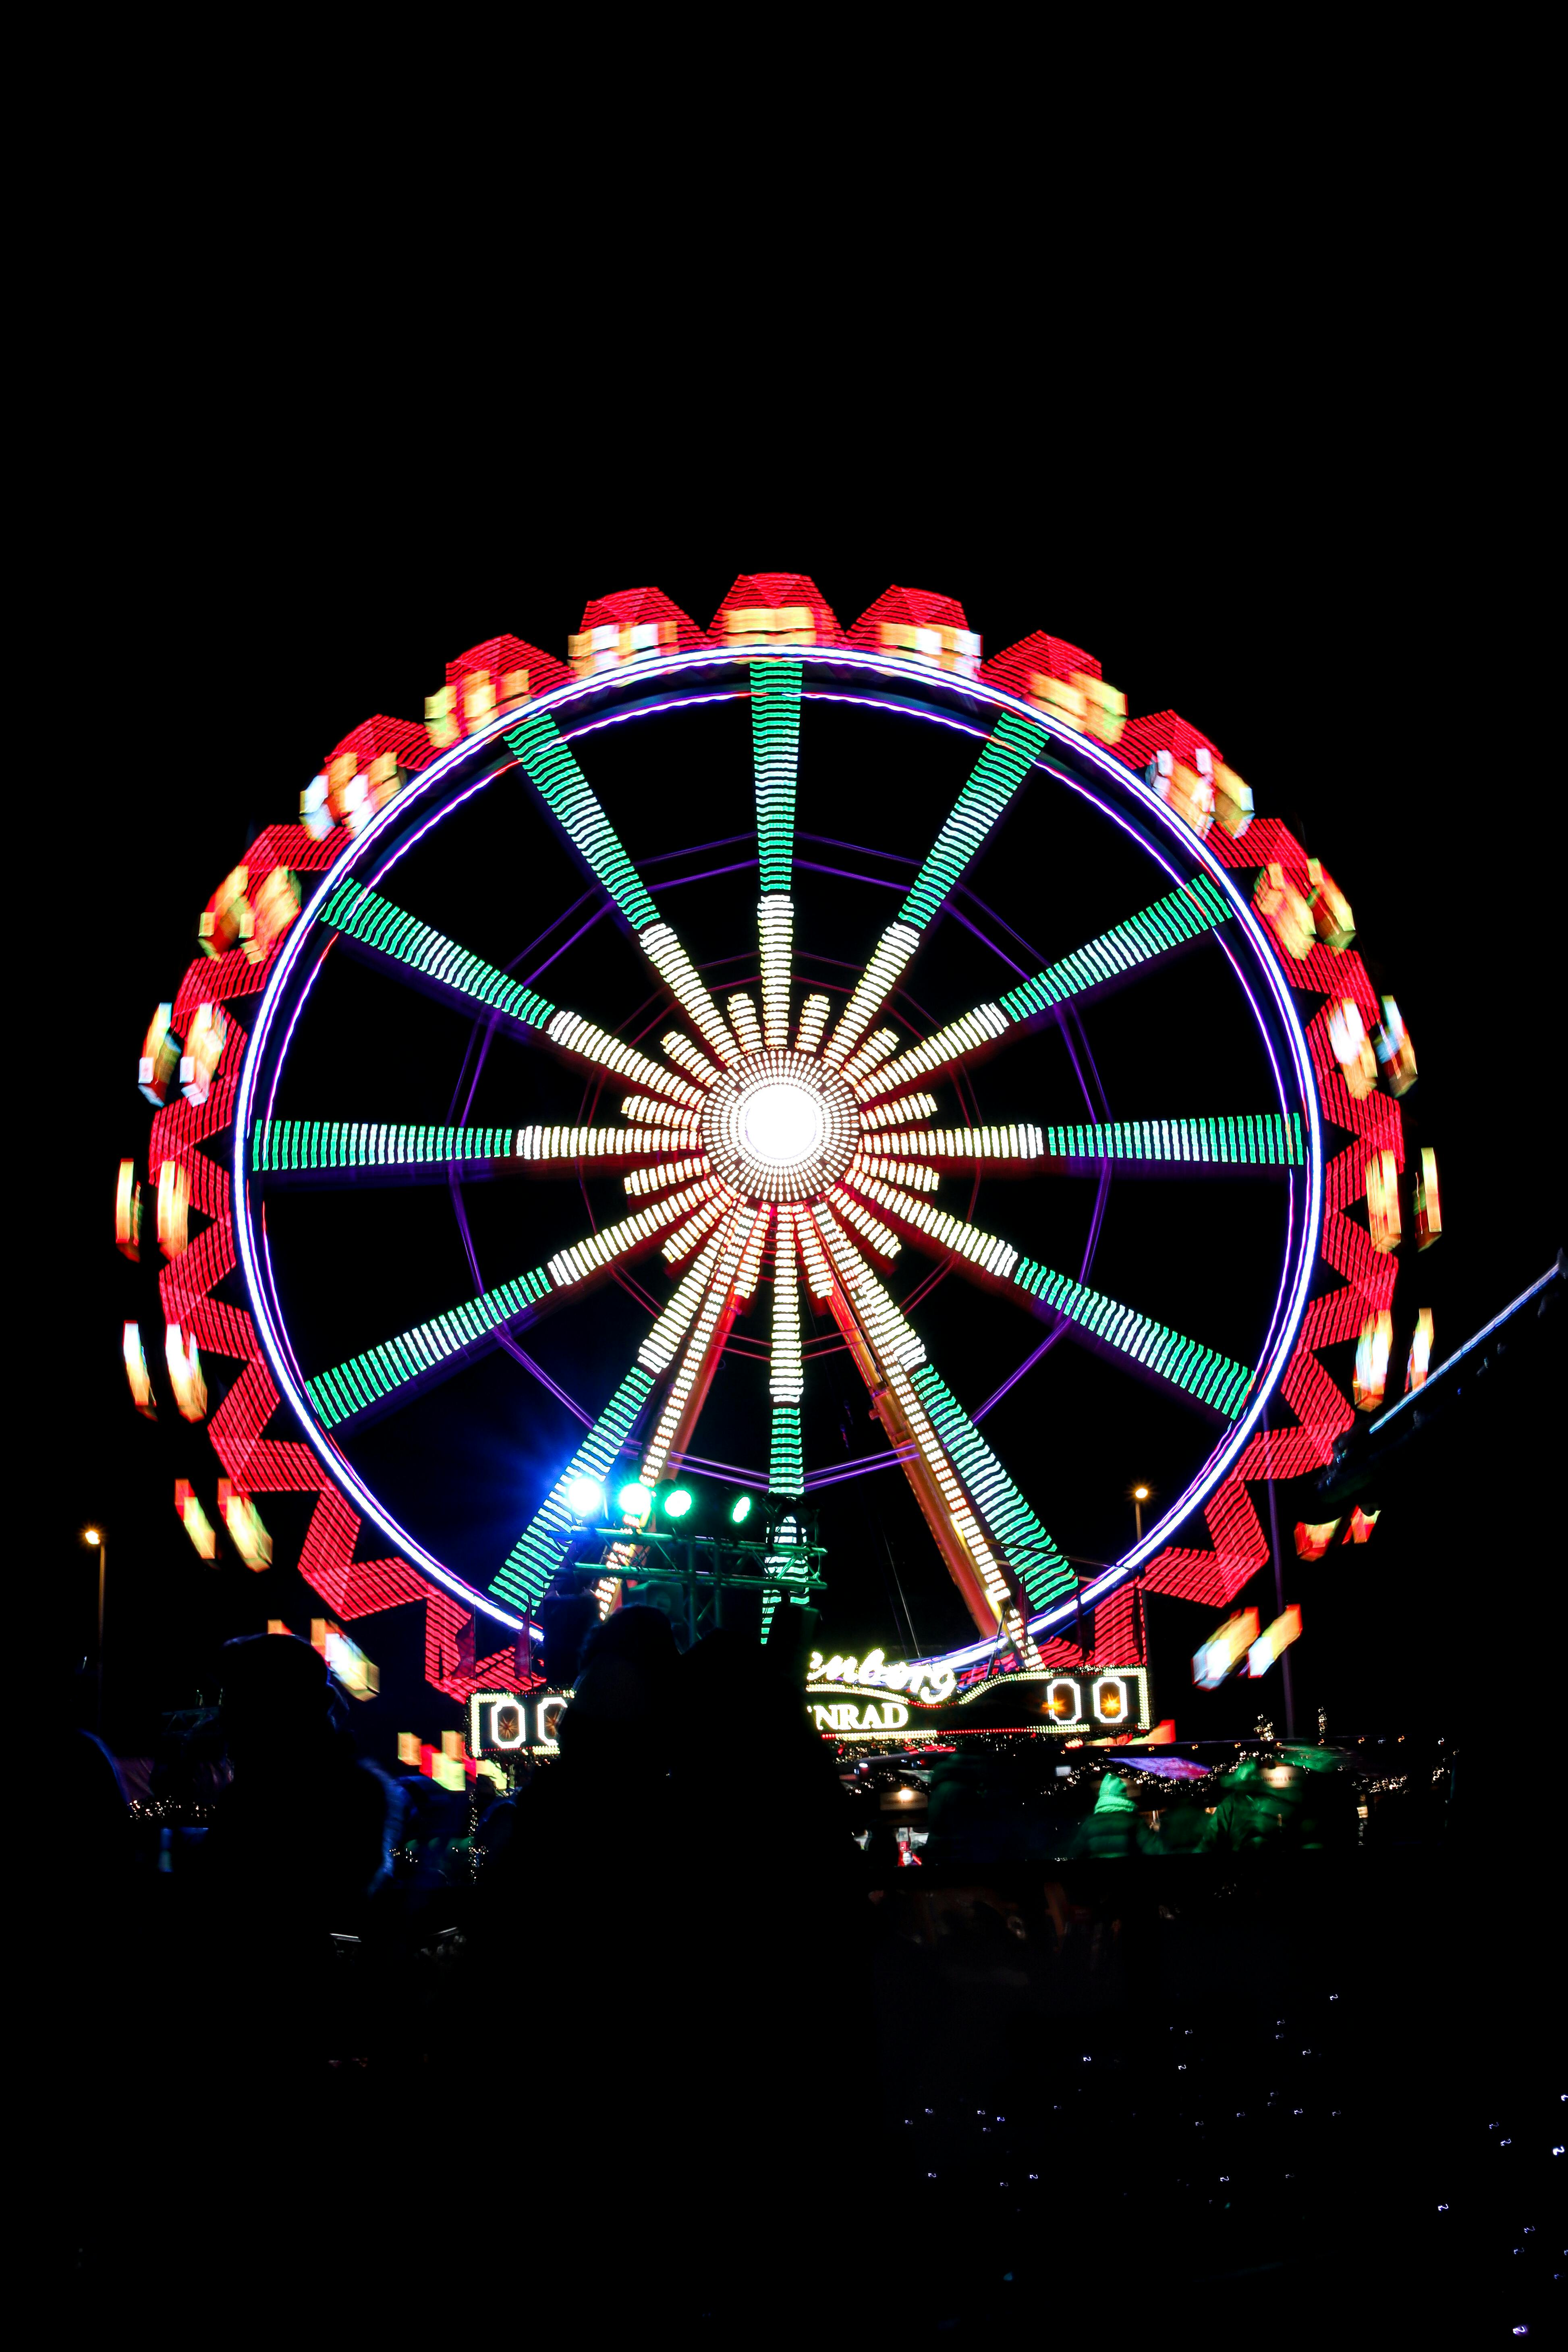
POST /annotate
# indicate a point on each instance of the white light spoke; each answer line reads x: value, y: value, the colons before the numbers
x: 743, y: 1015
x: 573, y: 1034
x: 987, y: 1251
x: 674, y: 968
x: 750, y: 1264
x: 643, y: 1111
x: 643, y: 1180
x: 871, y: 1228
x: 894, y: 1341
x: 1006, y: 1149
x: 597, y: 1251
x: 813, y: 1022
x: 901, y: 1112
x: 563, y: 1146
x: 658, y: 1350
x: 776, y: 937
x: 690, y: 1058
x: 971, y: 1033
x: 786, y: 1380
x: 818, y: 1274
x: 688, y: 1236
x: 877, y: 1048
x: 706, y: 1337
x: 910, y: 1173
x: 876, y: 984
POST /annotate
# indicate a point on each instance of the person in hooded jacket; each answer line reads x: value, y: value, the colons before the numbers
x: 1250, y: 1816
x: 1114, y: 1832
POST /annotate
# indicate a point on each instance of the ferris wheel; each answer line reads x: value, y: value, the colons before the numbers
x: 715, y: 1070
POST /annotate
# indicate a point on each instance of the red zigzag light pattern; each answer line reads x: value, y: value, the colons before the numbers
x: 258, y: 1464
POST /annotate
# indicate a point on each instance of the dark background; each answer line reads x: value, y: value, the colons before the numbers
x: 1326, y: 562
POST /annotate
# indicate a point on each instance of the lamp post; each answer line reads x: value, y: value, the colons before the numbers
x: 94, y: 1539
x: 1139, y: 1496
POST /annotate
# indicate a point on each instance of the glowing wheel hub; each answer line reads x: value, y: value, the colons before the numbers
x: 781, y: 1126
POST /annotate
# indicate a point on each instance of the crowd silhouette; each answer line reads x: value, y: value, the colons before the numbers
x: 639, y: 1981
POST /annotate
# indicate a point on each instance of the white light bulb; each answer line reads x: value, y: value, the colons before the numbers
x: 781, y: 1125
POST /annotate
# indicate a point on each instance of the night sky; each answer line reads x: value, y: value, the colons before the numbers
x: 1353, y: 626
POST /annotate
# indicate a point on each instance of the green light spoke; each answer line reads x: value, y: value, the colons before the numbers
x: 398, y: 1368
x: 322, y: 1147
x: 1260, y: 1139
x: 538, y: 1552
x: 572, y: 801
x: 1170, y: 923
x: 1030, y: 1554
x: 786, y: 1458
x: 786, y: 1374
x: 371, y: 921
x: 1201, y: 1372
x: 775, y: 753
x: 1001, y: 768
x: 566, y: 791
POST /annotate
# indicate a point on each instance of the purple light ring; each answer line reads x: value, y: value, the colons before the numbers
x: 883, y: 666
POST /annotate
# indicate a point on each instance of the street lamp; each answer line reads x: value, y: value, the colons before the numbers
x: 1139, y: 1496
x: 94, y: 1539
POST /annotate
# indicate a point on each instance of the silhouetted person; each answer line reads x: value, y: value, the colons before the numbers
x: 302, y: 1836
x: 567, y: 1620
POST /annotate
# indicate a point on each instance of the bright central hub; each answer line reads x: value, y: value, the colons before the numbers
x: 783, y: 1125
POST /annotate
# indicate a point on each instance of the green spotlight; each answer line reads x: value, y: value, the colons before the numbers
x: 677, y: 1502
x: 740, y: 1510
x: 634, y: 1502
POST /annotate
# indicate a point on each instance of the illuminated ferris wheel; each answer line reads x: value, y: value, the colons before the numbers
x: 753, y: 1137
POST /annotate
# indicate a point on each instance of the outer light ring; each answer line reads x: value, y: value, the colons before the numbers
x: 390, y: 830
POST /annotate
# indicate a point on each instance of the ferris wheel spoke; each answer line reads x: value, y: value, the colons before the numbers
x: 386, y: 1377
x: 731, y: 1281
x: 775, y: 760
x: 550, y: 764
x: 411, y: 951
x: 1165, y: 928
x: 998, y: 1554
x: 691, y: 1326
x: 538, y: 1552
x: 1014, y: 747
x: 1201, y: 1376
x: 1259, y: 1142
x: 786, y: 1372
x: 311, y: 1152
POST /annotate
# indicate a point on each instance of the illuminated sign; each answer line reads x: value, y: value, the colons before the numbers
x: 875, y: 1701
x: 1080, y: 1704
x: 503, y: 1723
x: 929, y: 1684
